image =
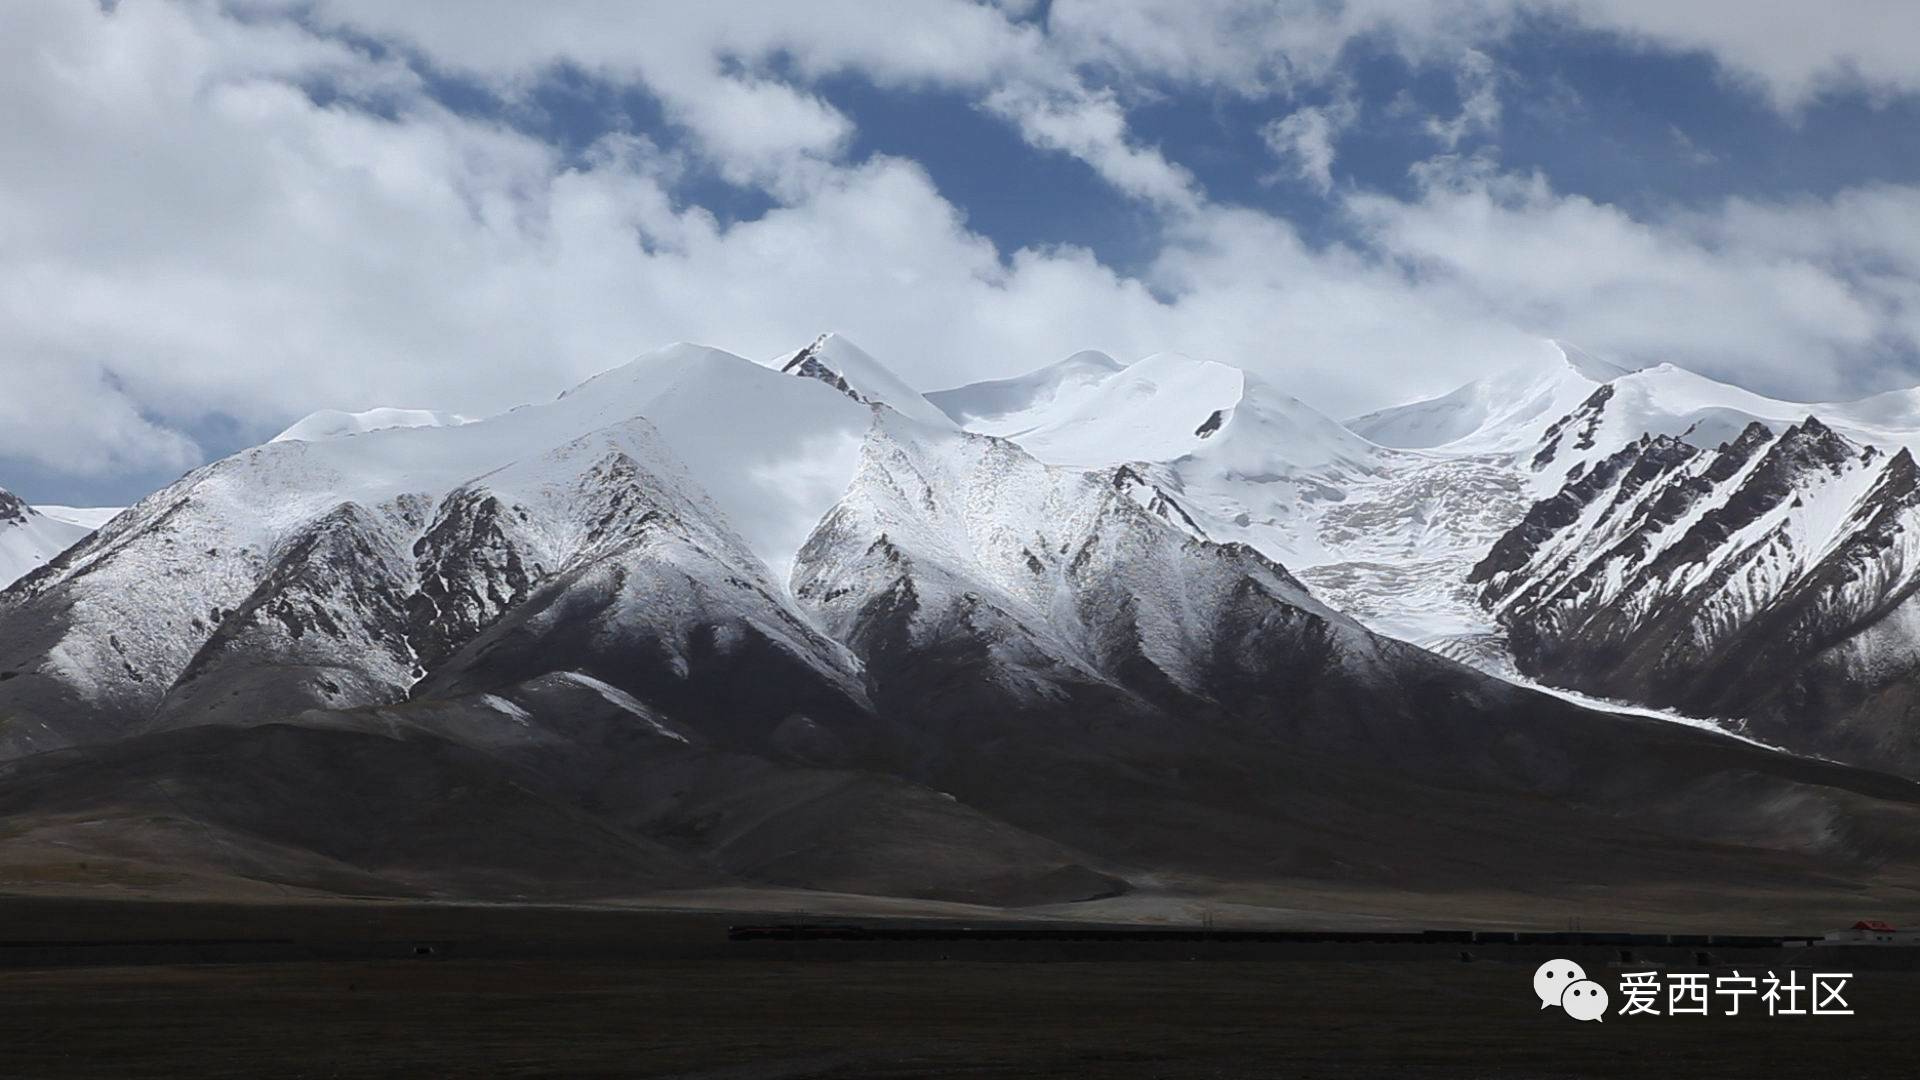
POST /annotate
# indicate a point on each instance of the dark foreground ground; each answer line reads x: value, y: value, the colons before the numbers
x: 531, y: 994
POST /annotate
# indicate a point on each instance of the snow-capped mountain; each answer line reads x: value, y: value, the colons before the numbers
x: 695, y: 509
x: 1563, y: 415
x: 341, y: 569
x: 703, y: 620
x: 1525, y: 521
x: 1505, y: 413
x: 1768, y: 579
x: 29, y: 537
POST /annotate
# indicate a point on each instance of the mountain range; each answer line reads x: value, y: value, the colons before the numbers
x: 1103, y: 630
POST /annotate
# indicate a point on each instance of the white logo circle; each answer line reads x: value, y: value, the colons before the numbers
x: 1552, y: 978
x: 1585, y: 1000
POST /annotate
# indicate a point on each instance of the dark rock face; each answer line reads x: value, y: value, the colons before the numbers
x: 806, y: 364
x: 1741, y: 583
x: 469, y: 571
x: 12, y: 510
x: 1580, y: 426
x: 327, y: 627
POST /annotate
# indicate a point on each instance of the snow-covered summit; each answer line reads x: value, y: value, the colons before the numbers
x: 1010, y: 407
x: 848, y: 368
x: 335, y: 424
x: 1169, y: 406
x: 1570, y: 407
x: 1506, y: 412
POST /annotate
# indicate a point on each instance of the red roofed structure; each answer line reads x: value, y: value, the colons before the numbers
x: 1872, y: 932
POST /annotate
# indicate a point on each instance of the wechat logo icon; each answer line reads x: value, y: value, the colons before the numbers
x: 1565, y: 983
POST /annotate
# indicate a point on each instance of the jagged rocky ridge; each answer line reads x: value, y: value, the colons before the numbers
x: 1765, y: 580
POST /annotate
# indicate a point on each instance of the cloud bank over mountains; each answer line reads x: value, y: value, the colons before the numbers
x: 219, y: 217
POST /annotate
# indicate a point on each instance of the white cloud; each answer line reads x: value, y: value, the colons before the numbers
x: 1477, y: 79
x: 1768, y: 294
x: 1303, y: 140
x: 1093, y: 128
x: 1258, y: 46
x: 1793, y: 51
x: 707, y: 62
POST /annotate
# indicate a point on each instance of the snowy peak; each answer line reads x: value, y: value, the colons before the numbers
x: 1662, y: 514
x: 1009, y: 407
x: 1227, y: 453
x: 1168, y: 407
x: 1045, y: 577
x: 1158, y: 409
x: 1586, y: 365
x: 29, y: 538
x: 1564, y: 412
x: 846, y: 367
x: 714, y: 537
x: 335, y: 424
x: 1270, y: 434
x: 1504, y: 413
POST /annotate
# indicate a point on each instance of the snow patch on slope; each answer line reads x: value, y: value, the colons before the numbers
x: 86, y: 517
x: 620, y: 699
x: 1011, y: 407
x: 1725, y: 728
x: 502, y: 705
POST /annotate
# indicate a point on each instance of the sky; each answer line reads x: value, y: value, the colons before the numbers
x: 216, y: 217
